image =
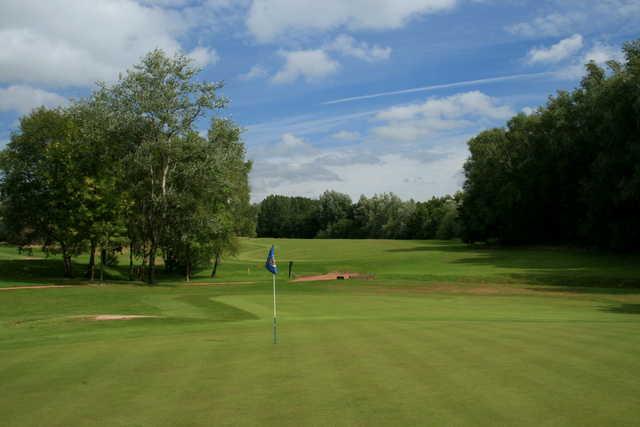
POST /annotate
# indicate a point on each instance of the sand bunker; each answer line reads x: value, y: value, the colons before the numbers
x: 333, y: 276
x: 116, y: 317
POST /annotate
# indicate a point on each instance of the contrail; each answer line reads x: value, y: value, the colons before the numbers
x: 441, y: 86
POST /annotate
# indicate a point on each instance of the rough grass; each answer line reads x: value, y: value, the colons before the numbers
x: 445, y: 335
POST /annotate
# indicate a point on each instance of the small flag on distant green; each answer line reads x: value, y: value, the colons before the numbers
x: 271, y: 262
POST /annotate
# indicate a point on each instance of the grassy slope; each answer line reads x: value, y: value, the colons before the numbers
x: 444, y: 335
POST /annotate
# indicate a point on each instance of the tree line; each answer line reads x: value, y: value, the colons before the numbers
x: 126, y: 167
x: 568, y: 173
x: 334, y: 215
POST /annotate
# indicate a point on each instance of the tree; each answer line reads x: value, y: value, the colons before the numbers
x: 44, y: 187
x: 383, y: 216
x: 161, y: 96
x: 567, y: 173
x: 283, y: 216
x: 333, y: 208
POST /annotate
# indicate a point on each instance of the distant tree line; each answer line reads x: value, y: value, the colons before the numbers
x: 334, y: 215
x: 126, y: 167
x: 568, y: 173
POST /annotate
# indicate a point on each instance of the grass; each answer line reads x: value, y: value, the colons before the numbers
x: 444, y: 335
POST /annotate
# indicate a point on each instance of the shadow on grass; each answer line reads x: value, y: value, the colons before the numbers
x: 568, y: 280
x: 624, y: 309
x: 50, y: 270
x: 541, y: 265
x: 437, y: 246
x: 592, y: 290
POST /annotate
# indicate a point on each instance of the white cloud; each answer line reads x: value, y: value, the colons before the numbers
x: 203, y: 56
x: 288, y: 147
x: 291, y: 144
x: 599, y: 53
x: 345, y: 135
x: 439, y: 115
x: 552, y: 24
x: 256, y: 72
x: 308, y: 64
x: 269, y: 19
x: 348, y: 46
x: 562, y: 18
x: 562, y: 50
x: 76, y: 42
x: 23, y: 99
x: 458, y: 105
x: 407, y: 177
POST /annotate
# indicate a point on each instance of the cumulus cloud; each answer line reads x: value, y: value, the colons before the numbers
x: 292, y: 165
x: 348, y: 46
x: 308, y: 64
x: 599, y: 53
x: 552, y: 24
x: 555, y: 53
x: 23, y: 99
x: 345, y: 135
x: 269, y: 19
x: 256, y: 72
x: 203, y: 56
x: 437, y: 115
x: 288, y: 147
x: 287, y: 161
x: 76, y: 42
x: 390, y: 173
x: 586, y: 16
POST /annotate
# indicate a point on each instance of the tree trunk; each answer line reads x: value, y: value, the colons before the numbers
x: 152, y: 264
x: 143, y: 267
x: 130, y: 261
x: 68, y: 271
x: 188, y: 271
x: 103, y: 258
x: 215, y: 265
x: 66, y: 263
x: 91, y: 268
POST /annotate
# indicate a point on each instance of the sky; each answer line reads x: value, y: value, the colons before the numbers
x: 357, y: 96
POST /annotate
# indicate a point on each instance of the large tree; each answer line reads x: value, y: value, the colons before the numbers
x: 161, y: 96
x: 46, y: 190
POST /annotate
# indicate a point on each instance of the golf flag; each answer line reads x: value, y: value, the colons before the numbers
x: 271, y: 262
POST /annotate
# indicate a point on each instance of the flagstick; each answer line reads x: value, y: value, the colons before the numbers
x: 275, y: 322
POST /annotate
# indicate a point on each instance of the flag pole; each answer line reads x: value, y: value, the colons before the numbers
x: 275, y: 321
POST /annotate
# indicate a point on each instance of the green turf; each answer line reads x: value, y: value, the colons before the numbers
x: 444, y: 335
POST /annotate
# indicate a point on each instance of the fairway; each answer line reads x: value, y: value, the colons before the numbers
x: 444, y: 334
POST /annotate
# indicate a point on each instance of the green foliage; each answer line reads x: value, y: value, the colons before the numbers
x: 126, y: 167
x: 383, y: 216
x: 283, y: 216
x: 567, y: 173
x: 46, y: 190
x: 435, y: 218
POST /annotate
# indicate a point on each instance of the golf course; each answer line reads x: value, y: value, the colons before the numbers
x: 439, y: 333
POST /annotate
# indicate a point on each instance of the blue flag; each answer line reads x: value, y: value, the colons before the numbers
x: 271, y: 262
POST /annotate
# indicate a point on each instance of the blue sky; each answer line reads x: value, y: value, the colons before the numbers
x: 361, y: 96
